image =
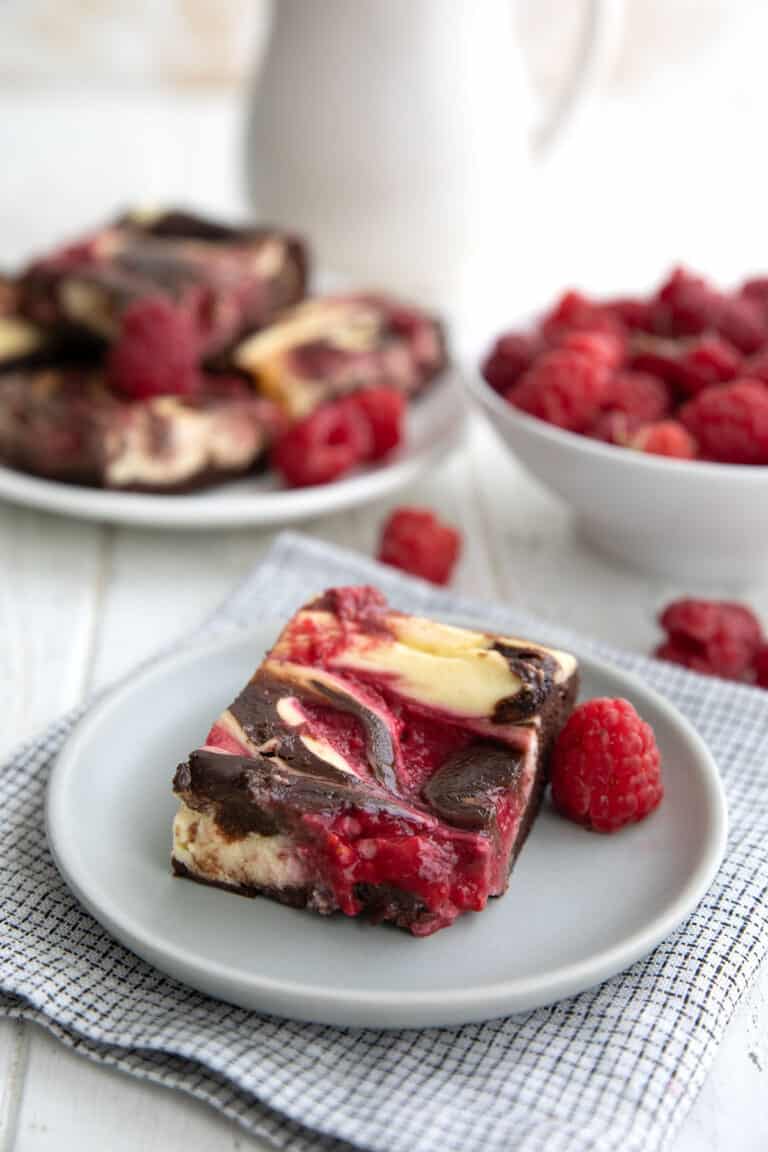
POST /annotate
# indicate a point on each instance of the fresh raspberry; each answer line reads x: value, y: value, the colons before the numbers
x: 636, y: 315
x: 686, y: 654
x: 512, y: 354
x: 707, y: 361
x: 756, y: 367
x: 715, y: 636
x: 606, y: 766
x: 384, y: 409
x: 755, y: 289
x: 564, y: 388
x: 414, y: 540
x: 741, y: 321
x: 657, y: 355
x: 156, y: 352
x: 665, y: 438
x: 575, y: 312
x: 641, y: 397
x: 730, y: 423
x: 324, y: 446
x: 685, y: 305
x: 605, y: 348
x: 760, y: 665
x: 611, y: 428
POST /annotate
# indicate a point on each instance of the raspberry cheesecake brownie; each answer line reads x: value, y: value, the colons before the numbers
x: 217, y: 281
x: 329, y: 346
x: 62, y: 421
x: 377, y: 764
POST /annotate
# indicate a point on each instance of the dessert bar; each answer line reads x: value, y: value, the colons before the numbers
x: 377, y: 764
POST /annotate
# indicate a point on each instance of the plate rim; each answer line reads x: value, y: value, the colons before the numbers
x: 218, y: 508
x: 303, y: 1001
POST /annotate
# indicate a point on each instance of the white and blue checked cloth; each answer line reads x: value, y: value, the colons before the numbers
x: 614, y: 1068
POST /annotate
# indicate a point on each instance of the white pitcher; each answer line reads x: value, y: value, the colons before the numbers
x: 399, y: 136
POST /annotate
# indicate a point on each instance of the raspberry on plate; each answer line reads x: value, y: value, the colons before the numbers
x: 156, y: 352
x: 384, y: 409
x: 564, y: 388
x: 327, y: 444
x: 417, y: 542
x: 717, y: 637
x: 730, y: 423
x: 665, y: 438
x: 606, y: 767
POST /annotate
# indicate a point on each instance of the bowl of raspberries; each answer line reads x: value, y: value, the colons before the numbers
x: 649, y: 416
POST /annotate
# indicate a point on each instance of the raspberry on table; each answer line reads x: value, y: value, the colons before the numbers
x: 665, y: 438
x: 718, y: 637
x: 417, y: 542
x: 156, y: 352
x: 384, y: 409
x: 324, y: 446
x: 512, y: 354
x: 730, y: 423
x: 564, y: 388
x: 606, y: 766
x: 707, y: 361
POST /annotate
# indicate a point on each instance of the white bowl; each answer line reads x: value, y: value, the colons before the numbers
x: 680, y: 518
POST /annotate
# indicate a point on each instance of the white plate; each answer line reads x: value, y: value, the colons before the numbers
x: 435, y: 425
x: 580, y: 907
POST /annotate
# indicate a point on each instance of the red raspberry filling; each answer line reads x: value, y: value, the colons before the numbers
x: 417, y: 542
x: 606, y: 767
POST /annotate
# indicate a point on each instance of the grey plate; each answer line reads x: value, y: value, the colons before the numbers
x: 580, y: 907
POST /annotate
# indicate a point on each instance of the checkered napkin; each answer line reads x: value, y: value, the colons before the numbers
x: 614, y: 1068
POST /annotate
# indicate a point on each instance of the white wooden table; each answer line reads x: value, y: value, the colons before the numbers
x: 80, y: 604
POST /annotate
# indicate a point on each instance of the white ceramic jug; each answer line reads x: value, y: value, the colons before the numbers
x: 399, y: 136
